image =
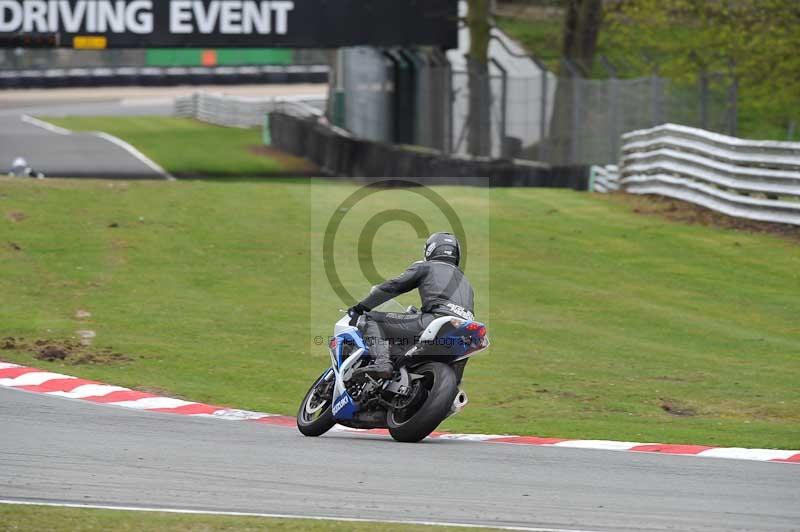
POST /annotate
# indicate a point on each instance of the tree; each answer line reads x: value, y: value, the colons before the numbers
x: 479, y: 132
x: 582, y: 22
x: 579, y: 44
x: 753, y: 42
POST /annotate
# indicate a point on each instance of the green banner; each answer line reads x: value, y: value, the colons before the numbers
x: 186, y: 57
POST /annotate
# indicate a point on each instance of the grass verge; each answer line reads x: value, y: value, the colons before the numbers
x: 30, y: 518
x: 605, y: 324
x: 185, y: 147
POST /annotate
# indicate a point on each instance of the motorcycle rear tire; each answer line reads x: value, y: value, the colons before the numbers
x: 433, y: 411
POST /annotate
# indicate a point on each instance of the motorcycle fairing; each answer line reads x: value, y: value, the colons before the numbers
x: 346, y: 348
x: 454, y: 337
x: 344, y: 407
x: 349, y: 340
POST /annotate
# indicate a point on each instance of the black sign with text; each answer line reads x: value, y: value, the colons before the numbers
x: 228, y: 23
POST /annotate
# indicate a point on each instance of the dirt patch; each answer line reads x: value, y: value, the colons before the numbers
x: 14, y: 246
x: 681, y: 211
x: 101, y: 356
x: 16, y: 216
x: 676, y: 409
x: 560, y: 394
x: 8, y: 343
x: 298, y: 165
x: 69, y: 351
x: 52, y: 352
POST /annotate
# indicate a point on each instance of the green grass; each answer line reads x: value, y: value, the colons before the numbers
x: 598, y: 316
x: 540, y: 37
x: 189, y: 148
x: 25, y: 518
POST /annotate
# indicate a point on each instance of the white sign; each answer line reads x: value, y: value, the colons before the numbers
x: 231, y: 17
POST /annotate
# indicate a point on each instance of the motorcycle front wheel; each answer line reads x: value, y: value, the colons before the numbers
x: 315, y: 417
x: 428, y: 405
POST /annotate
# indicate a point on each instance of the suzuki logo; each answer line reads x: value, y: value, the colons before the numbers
x: 341, y: 403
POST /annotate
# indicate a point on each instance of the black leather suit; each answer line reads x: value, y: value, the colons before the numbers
x: 443, y: 289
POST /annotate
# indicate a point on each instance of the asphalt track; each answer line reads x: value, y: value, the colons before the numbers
x: 60, y: 450
x: 57, y: 450
x: 72, y: 155
x: 65, y: 154
x: 57, y: 154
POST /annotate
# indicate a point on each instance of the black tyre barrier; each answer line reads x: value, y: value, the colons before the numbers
x: 154, y: 76
x: 342, y: 156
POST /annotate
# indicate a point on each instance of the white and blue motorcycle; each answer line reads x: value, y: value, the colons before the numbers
x: 422, y: 393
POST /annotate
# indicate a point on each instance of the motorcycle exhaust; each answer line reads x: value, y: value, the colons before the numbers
x: 372, y: 419
x: 459, y: 402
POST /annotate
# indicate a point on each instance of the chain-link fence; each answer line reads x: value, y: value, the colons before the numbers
x: 589, y: 116
x: 416, y: 97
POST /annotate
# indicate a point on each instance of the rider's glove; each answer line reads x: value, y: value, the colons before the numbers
x: 355, y: 312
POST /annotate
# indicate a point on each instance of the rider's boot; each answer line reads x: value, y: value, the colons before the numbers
x: 381, y: 368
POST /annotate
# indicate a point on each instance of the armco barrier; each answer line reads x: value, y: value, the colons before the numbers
x: 604, y: 178
x: 759, y: 180
x: 235, y: 111
x: 340, y: 154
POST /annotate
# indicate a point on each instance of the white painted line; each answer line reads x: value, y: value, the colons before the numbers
x: 233, y: 414
x: 45, y: 125
x: 90, y: 390
x: 290, y: 516
x: 605, y: 445
x: 8, y: 365
x: 468, y: 437
x: 747, y: 454
x: 153, y: 402
x: 133, y: 151
x: 33, y: 379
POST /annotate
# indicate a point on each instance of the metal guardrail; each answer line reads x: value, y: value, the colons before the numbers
x: 604, y: 178
x: 238, y: 111
x: 758, y: 180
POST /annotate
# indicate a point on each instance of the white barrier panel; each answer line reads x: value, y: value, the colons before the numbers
x: 604, y: 179
x: 237, y: 111
x: 758, y: 180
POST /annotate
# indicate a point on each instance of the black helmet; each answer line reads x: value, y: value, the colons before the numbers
x: 443, y: 246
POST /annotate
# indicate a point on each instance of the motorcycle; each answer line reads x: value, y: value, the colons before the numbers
x: 423, y: 391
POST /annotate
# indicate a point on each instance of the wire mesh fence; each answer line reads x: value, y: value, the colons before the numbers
x: 589, y: 116
x: 415, y: 97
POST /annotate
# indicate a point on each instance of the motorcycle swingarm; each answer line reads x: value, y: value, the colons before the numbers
x: 402, y: 385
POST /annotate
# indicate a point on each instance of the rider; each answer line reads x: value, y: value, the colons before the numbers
x: 443, y: 289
